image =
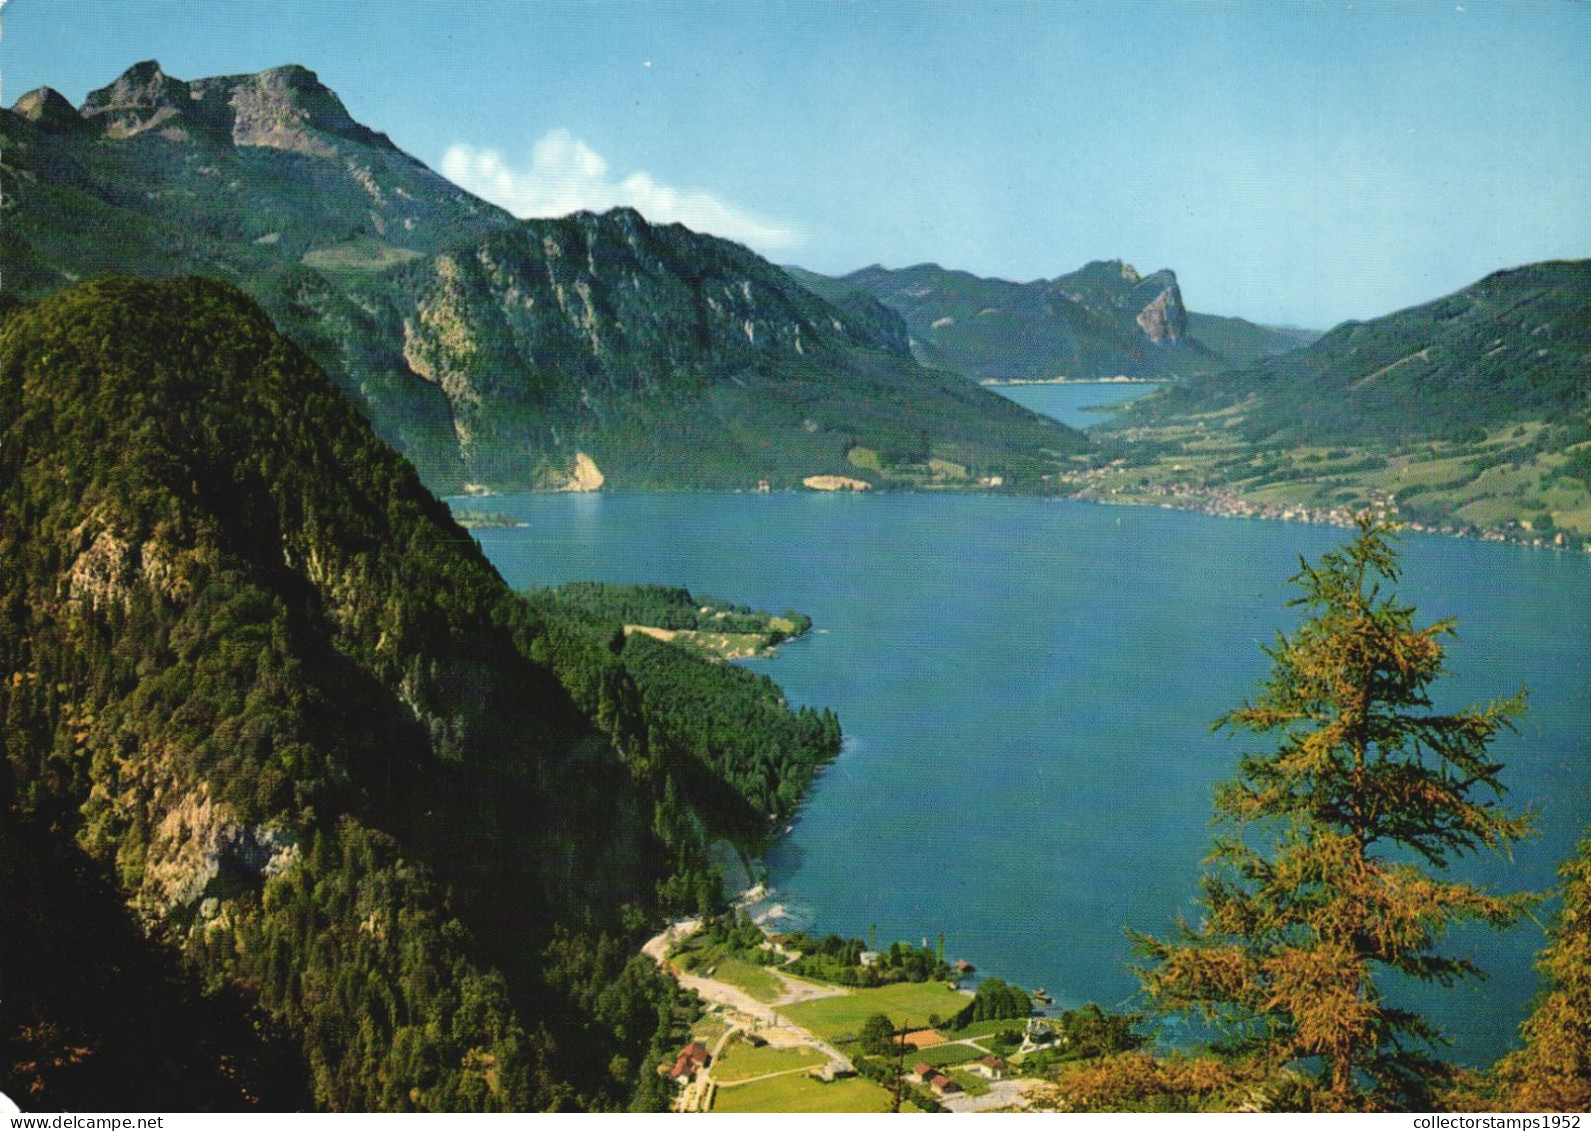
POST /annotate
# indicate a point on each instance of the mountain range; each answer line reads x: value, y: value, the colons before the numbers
x: 300, y: 806
x: 1104, y: 320
x: 489, y: 350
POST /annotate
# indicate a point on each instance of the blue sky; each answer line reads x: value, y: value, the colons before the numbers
x: 1293, y: 162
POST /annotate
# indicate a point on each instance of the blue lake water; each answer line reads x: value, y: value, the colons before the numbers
x: 1026, y: 687
x: 1075, y: 405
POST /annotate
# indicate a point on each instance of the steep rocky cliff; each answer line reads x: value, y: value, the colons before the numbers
x: 488, y: 350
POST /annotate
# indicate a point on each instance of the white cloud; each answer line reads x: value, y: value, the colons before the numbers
x: 567, y: 175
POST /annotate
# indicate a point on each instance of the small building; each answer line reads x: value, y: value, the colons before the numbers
x: 990, y: 1068
x: 869, y: 957
x: 692, y: 1059
x: 922, y: 1072
x: 943, y: 1085
x: 964, y: 967
x: 763, y: 486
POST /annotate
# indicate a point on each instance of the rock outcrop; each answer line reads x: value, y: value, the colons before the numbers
x: 1165, y: 320
x: 281, y: 108
x: 47, y: 107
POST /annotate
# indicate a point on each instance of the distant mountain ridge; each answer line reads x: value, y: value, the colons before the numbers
x: 489, y: 350
x: 1469, y: 414
x: 1514, y: 346
x: 1103, y: 320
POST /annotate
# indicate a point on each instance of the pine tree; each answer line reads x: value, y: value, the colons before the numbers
x: 1553, y: 1071
x: 1329, y: 870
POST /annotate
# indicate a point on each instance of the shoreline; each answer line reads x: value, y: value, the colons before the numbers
x: 1216, y: 503
x: 766, y: 1022
x: 1211, y: 502
x: 1014, y: 382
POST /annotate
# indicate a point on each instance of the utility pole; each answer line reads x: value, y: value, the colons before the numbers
x: 900, y: 1066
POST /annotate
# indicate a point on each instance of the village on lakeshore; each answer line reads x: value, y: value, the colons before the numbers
x: 797, y: 1023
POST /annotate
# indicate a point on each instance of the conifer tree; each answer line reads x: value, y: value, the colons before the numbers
x: 1328, y: 873
x: 1553, y: 1071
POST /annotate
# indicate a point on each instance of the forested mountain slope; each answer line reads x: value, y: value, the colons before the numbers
x: 487, y: 349
x: 1468, y: 414
x: 1103, y: 320
x: 1515, y: 346
x: 326, y: 813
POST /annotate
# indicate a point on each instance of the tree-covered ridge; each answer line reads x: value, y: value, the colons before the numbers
x: 737, y: 725
x: 1515, y: 346
x: 279, y: 701
x: 1471, y: 414
x: 724, y: 752
x: 1103, y: 320
x: 486, y: 349
x: 716, y: 627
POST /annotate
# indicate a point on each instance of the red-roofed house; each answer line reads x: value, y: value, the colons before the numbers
x: 692, y: 1059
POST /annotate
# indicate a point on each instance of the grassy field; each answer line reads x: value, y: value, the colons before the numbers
x: 971, y: 1082
x: 757, y: 981
x: 741, y: 1061
x: 905, y: 1003
x: 942, y: 1055
x: 799, y: 1092
x: 987, y: 1028
x: 708, y: 1029
x: 1499, y: 483
x: 361, y: 255
x: 723, y: 645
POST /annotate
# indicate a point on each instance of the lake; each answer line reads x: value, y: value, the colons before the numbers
x: 1026, y: 688
x: 1076, y: 405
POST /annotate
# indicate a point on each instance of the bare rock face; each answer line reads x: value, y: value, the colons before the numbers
x: 110, y: 566
x: 103, y: 574
x: 46, y: 107
x: 143, y: 98
x: 282, y: 108
x: 287, y: 108
x: 585, y: 476
x: 1165, y: 319
x: 200, y: 852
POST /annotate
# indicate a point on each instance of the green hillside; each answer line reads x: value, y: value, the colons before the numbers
x: 298, y: 803
x: 1104, y: 320
x: 542, y: 354
x: 1514, y: 347
x: 1471, y: 413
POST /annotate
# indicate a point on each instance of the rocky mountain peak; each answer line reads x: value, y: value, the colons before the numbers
x: 284, y: 107
x: 1164, y: 320
x: 142, y: 84
x: 46, y: 106
x: 142, y: 98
